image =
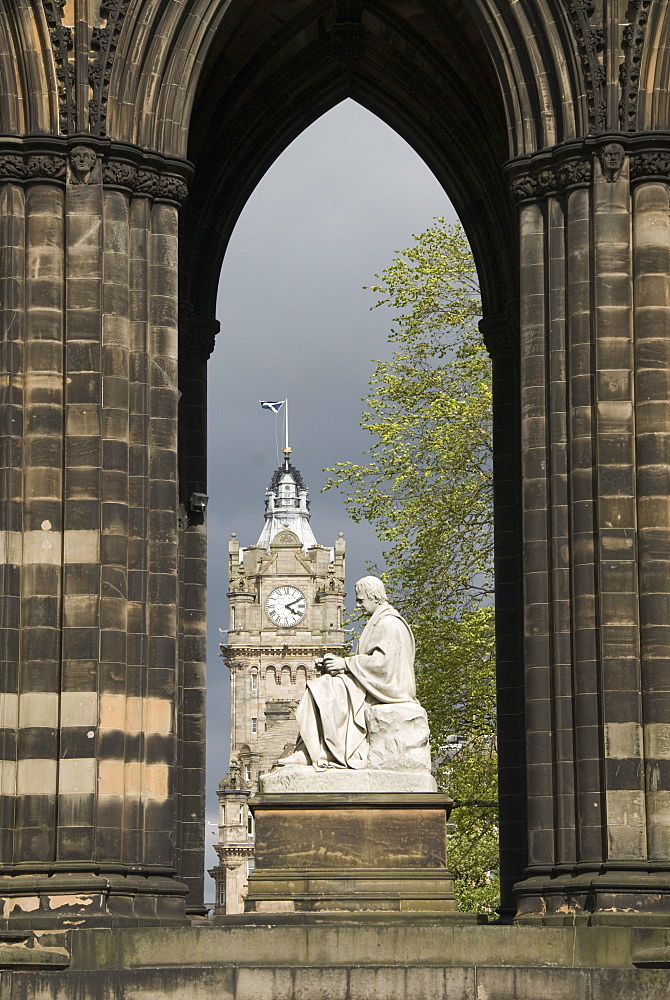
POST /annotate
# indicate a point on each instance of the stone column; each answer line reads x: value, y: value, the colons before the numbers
x: 89, y: 735
x: 594, y: 399
x: 38, y: 711
x: 196, y: 342
x: 651, y: 253
x: 501, y: 337
x: 12, y: 310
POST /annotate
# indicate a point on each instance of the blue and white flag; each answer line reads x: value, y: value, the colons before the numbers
x: 273, y: 405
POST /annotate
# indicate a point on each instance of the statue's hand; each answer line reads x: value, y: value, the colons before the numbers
x: 334, y: 664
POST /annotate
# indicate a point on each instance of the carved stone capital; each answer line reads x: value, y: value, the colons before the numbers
x: 574, y: 173
x: 650, y: 165
x: 150, y: 181
x: 541, y: 178
x: 35, y: 167
x: 556, y: 170
x: 197, y: 334
x: 500, y: 335
x: 46, y: 158
x: 116, y: 173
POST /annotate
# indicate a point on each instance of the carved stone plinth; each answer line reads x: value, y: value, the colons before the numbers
x: 351, y: 852
x: 299, y: 779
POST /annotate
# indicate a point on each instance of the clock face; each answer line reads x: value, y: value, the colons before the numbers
x: 286, y: 606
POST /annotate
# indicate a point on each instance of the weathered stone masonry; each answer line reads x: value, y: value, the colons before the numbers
x: 593, y: 230
x: 91, y: 550
x: 131, y: 134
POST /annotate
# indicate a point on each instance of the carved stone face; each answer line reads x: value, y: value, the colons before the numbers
x: 611, y: 160
x: 82, y: 161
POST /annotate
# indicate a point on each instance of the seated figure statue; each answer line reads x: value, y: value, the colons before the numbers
x: 331, y: 714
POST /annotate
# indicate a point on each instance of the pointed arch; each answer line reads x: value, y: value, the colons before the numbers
x: 531, y: 49
x: 650, y: 45
x: 448, y: 110
x: 11, y: 110
x: 534, y: 50
x: 28, y: 81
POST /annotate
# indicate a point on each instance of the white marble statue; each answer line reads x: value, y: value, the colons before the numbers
x: 332, y: 713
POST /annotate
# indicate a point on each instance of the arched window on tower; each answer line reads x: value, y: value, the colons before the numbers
x: 270, y: 675
x: 254, y: 680
x: 286, y: 676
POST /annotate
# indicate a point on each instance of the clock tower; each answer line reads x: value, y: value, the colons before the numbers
x: 286, y: 604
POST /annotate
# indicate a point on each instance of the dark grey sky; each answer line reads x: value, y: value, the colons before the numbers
x: 296, y: 322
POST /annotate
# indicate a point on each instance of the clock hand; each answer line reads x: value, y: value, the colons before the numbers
x: 292, y: 603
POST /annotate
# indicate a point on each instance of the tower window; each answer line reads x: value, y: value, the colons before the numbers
x: 232, y: 619
x: 247, y: 773
x: 222, y: 893
x: 250, y: 825
x: 254, y: 727
x: 241, y: 815
x: 251, y: 864
x: 254, y: 682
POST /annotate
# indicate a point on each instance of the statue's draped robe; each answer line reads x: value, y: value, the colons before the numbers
x: 331, y: 715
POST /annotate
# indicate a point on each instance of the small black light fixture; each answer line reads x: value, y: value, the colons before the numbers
x: 197, y: 503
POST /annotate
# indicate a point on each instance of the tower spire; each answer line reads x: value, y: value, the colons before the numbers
x: 286, y: 505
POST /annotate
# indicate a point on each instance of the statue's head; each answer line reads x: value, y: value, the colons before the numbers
x: 611, y: 160
x: 370, y: 593
x: 82, y: 161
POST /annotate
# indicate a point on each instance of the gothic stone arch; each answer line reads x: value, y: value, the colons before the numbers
x: 130, y: 142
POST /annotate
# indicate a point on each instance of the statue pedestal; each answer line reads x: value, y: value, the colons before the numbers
x: 351, y: 852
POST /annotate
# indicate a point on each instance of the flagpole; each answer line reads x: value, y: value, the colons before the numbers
x: 286, y: 425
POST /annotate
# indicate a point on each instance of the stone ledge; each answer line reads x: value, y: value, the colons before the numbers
x: 352, y: 800
x: 372, y: 981
x: 309, y: 940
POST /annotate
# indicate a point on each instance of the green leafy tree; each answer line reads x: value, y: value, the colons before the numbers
x: 427, y: 489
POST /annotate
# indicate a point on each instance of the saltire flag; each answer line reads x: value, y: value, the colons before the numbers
x: 273, y: 405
